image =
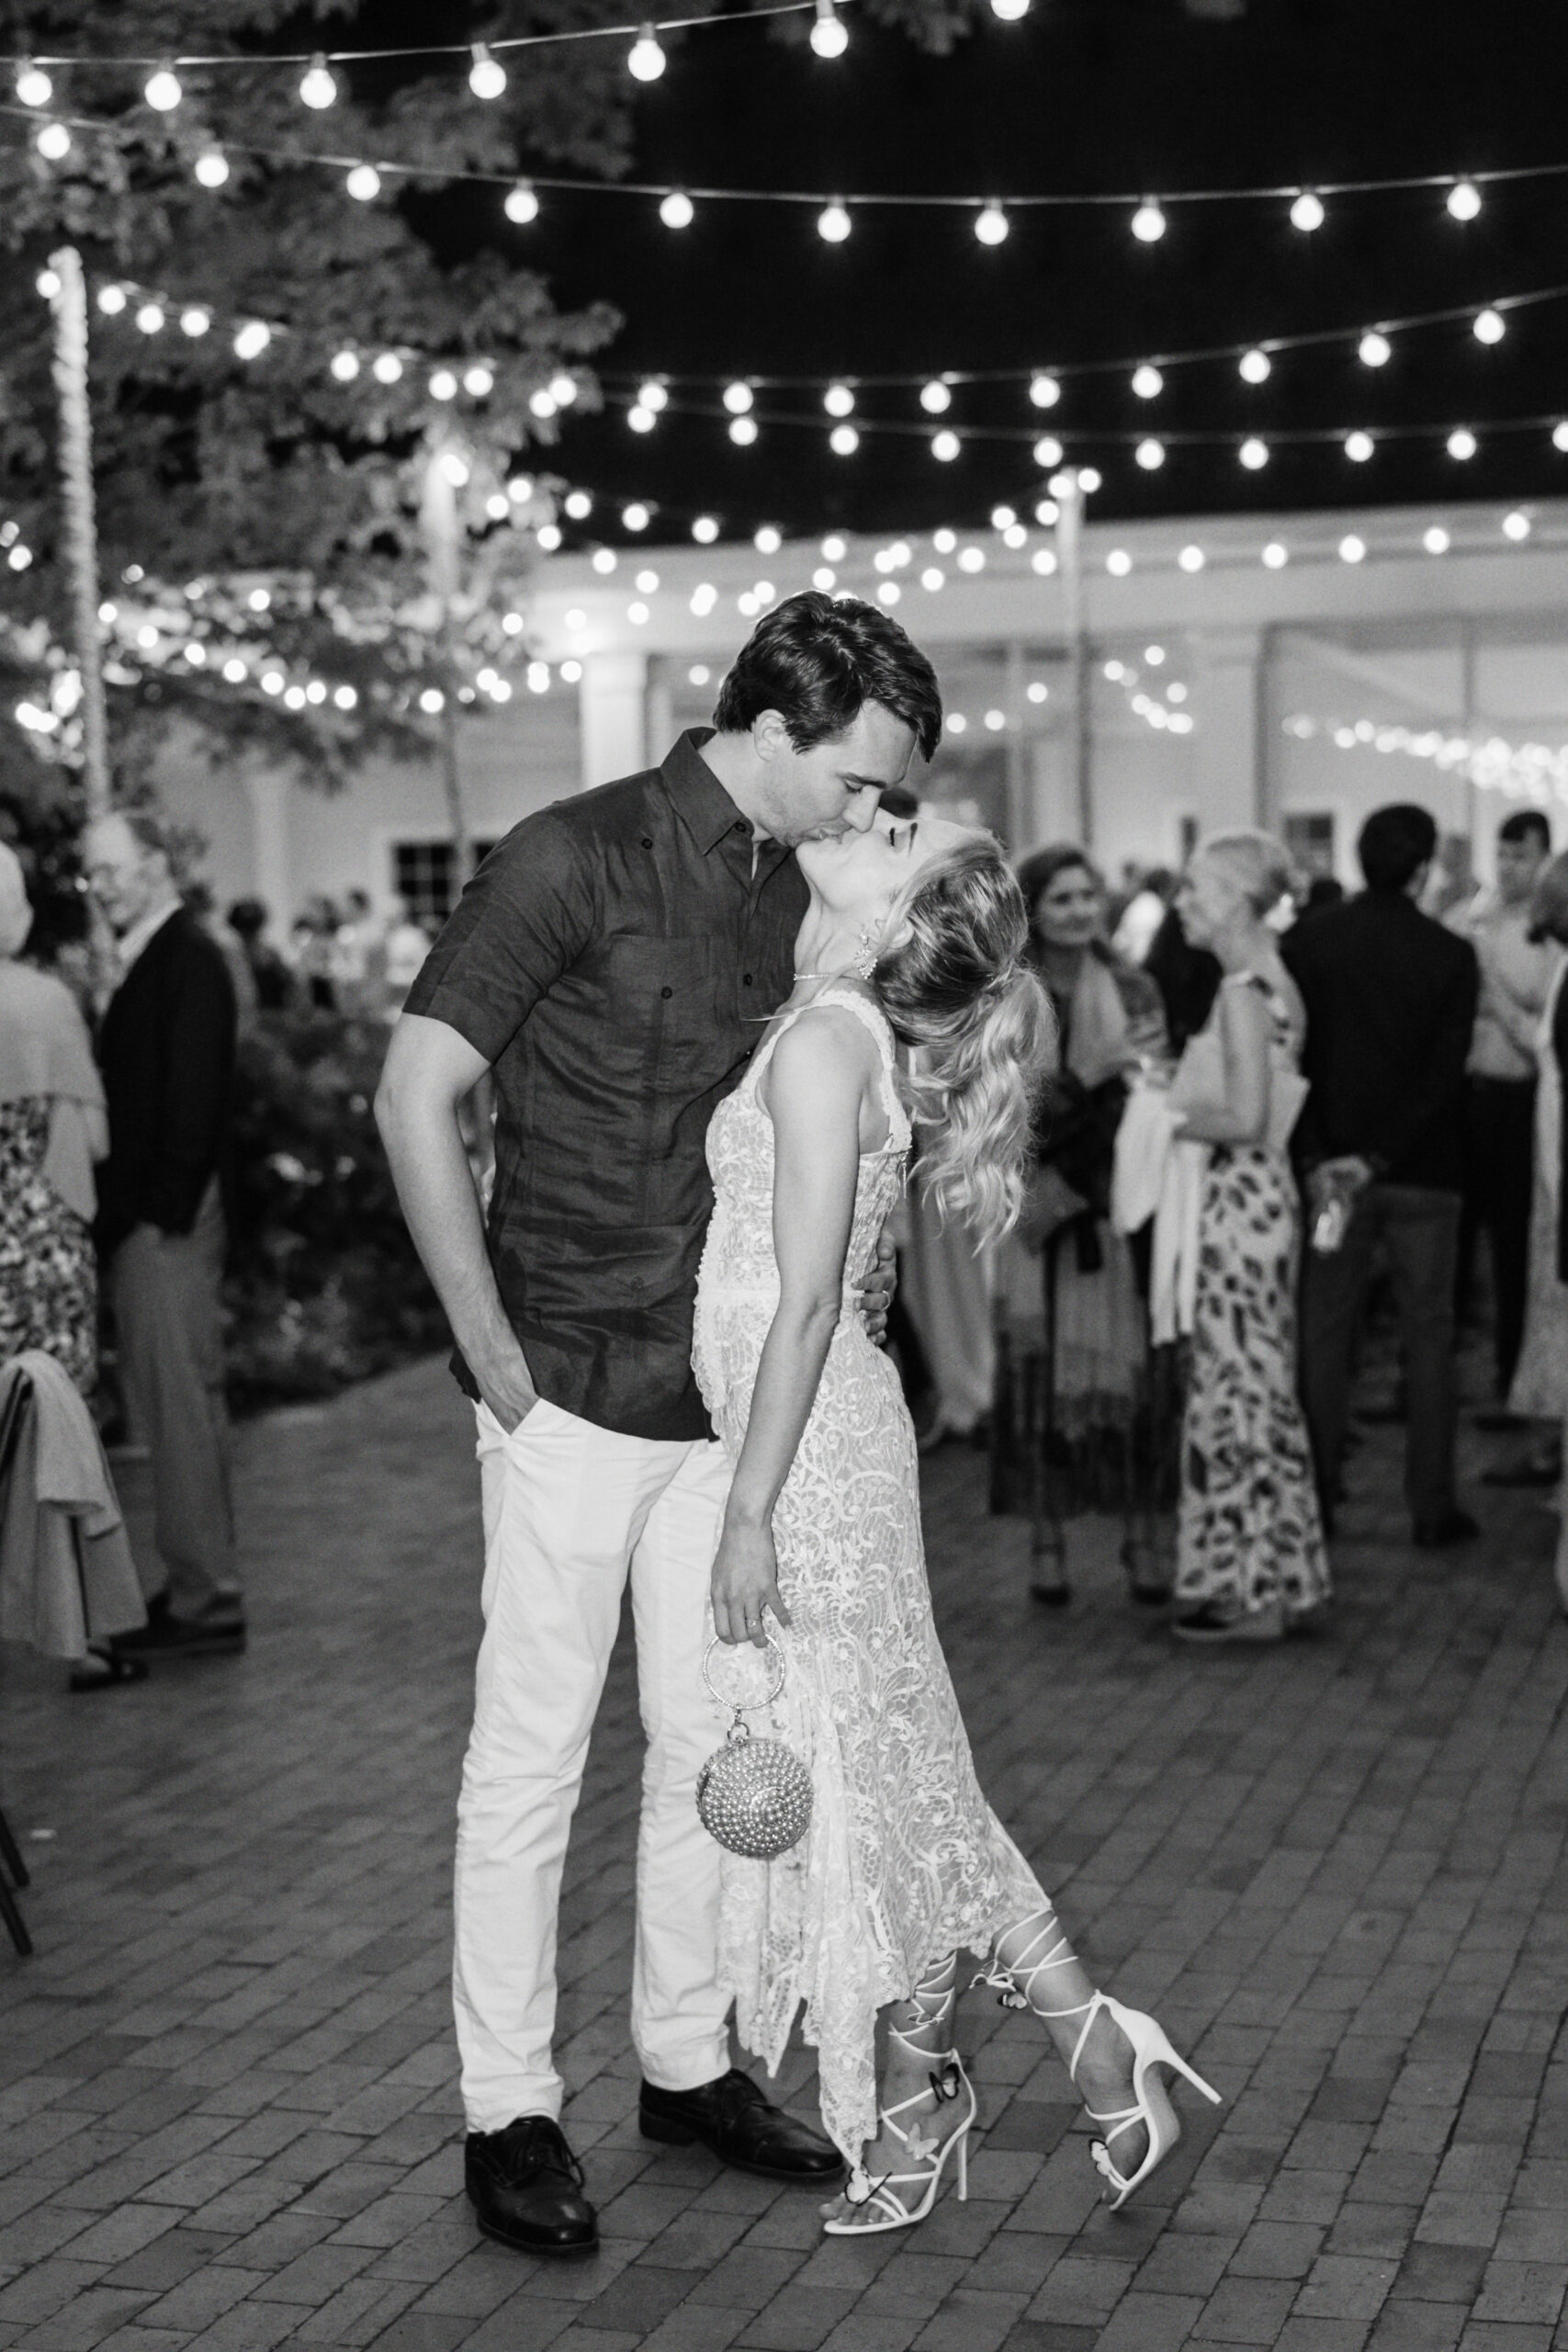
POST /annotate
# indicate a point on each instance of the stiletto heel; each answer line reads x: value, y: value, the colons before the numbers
x: 1151, y: 2048
x: 882, y: 2199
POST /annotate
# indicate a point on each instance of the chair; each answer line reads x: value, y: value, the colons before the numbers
x: 12, y: 1871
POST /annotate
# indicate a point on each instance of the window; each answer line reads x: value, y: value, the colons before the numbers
x: 421, y: 873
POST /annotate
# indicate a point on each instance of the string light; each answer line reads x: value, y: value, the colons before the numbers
x: 1351, y: 548
x: 1010, y: 12
x: 47, y: 284
x: 1253, y: 453
x: 522, y: 205
x: 1516, y: 525
x: 251, y: 340
x: 1307, y: 213
x: 443, y: 386
x: 163, y: 92
x: 211, y: 167
x: 1276, y: 555
x: 53, y: 142
x: 1191, y: 559
x: 1048, y: 452
x: 1150, y: 455
x: 1357, y: 447
x: 936, y: 398
x: 828, y: 38
x: 318, y: 89
x: 944, y: 448
x: 738, y: 398
x: 487, y: 78
x: 194, y: 322
x: 33, y: 86
x: 1147, y: 382
x: 386, y: 368
x: 743, y: 430
x: 1118, y: 563
x: 833, y: 222
x: 1560, y: 435
x: 1044, y: 391
x: 364, y: 183
x: 653, y: 396
x: 991, y: 224
x: 1374, y: 350
x: 1255, y: 367
x: 677, y: 211
x: 578, y: 505
x: 1463, y: 200
x: 644, y: 60
x: 1435, y: 540
x: 1462, y: 443
x: 111, y: 300
x: 838, y: 400
x: 1148, y: 222
x: 1489, y: 326
x: 563, y: 389
x: 843, y: 440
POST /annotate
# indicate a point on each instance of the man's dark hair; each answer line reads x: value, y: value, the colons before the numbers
x: 1394, y: 843
x: 1526, y: 825
x: 247, y: 918
x: 816, y: 661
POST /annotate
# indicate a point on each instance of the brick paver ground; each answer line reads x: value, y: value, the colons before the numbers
x: 229, y: 2116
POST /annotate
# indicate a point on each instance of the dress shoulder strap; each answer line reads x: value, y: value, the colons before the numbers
x: 868, y: 1015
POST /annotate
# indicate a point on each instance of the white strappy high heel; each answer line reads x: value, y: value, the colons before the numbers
x: 1151, y: 2048
x: 882, y: 2200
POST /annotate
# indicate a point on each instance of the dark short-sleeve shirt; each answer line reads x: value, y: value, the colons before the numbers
x: 615, y: 959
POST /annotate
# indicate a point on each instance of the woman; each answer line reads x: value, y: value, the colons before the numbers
x: 1085, y: 1416
x: 1250, y: 1558
x: 915, y: 935
x: 1539, y: 1390
x: 52, y: 1127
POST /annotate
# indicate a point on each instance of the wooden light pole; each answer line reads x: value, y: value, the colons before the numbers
x: 438, y: 519
x: 1067, y: 491
x: 80, y: 526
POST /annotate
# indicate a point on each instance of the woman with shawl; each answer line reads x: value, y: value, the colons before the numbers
x: 1087, y: 1413
x: 52, y: 1127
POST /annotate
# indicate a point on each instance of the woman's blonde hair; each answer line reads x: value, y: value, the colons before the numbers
x: 951, y: 979
x: 1261, y: 866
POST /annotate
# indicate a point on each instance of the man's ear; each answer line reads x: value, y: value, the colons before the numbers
x: 769, y: 736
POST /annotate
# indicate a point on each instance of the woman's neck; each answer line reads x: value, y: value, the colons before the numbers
x: 827, y: 943
x: 1060, y: 966
x: 1246, y: 944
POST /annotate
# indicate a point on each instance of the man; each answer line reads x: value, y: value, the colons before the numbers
x: 613, y: 963
x: 1500, y: 1109
x: 1390, y: 1000
x: 167, y: 1051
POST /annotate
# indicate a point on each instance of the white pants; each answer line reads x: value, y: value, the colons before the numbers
x: 569, y: 1508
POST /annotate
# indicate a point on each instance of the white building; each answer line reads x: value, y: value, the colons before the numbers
x: 1290, y: 671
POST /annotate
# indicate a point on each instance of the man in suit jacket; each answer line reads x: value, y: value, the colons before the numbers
x: 167, y: 1051
x: 1390, y: 998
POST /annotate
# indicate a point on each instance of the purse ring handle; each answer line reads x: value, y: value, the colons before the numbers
x: 743, y: 1706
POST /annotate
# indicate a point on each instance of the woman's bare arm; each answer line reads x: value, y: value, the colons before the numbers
x: 1243, y: 1117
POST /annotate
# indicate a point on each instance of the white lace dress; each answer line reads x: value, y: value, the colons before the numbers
x: 904, y: 1861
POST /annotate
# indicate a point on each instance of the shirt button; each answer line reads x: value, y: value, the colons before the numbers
x: 648, y: 840
x: 746, y: 979
x: 666, y: 991
x: 741, y: 828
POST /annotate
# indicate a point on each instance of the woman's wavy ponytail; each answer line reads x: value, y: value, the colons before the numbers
x: 952, y: 980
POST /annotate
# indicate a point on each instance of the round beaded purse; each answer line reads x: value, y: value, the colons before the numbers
x: 753, y: 1795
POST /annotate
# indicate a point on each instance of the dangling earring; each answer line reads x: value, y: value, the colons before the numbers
x: 867, y: 948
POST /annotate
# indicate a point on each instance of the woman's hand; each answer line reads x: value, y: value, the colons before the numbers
x: 745, y: 1582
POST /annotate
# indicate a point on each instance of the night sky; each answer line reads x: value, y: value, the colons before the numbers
x: 1087, y: 95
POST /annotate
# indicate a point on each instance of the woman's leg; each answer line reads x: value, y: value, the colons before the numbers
x: 918, y: 2078
x: 1035, y: 1968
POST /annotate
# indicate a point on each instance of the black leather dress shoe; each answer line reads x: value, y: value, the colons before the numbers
x: 742, y: 2128
x: 525, y: 2188
x: 1454, y: 1526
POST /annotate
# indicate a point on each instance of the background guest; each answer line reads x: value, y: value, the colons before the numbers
x: 1390, y: 998
x: 1250, y: 1560
x: 314, y: 951
x: 1187, y: 977
x: 52, y: 1130
x: 1076, y: 1414
x: 167, y: 1050
x: 271, y: 979
x: 1540, y: 1392
x: 1516, y: 974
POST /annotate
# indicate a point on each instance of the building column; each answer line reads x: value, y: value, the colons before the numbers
x: 271, y: 877
x: 612, y: 717
x: 1232, y: 711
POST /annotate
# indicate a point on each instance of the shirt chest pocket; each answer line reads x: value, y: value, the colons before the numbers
x: 663, y: 1009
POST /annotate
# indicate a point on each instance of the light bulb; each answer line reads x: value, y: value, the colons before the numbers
x: 991, y: 224
x: 47, y: 284
x: 1256, y: 367
x: 520, y: 489
x: 1118, y: 563
x: 522, y: 205
x: 579, y: 506
x: 828, y: 38
x: 737, y: 399
x: 213, y: 167
x: 935, y: 398
x: 486, y: 78
x: 1009, y: 11
x: 162, y: 91
x: 444, y: 386
x: 1351, y: 548
x: 319, y: 88
x: 646, y: 583
x: 33, y: 86
x: 1190, y: 558
x: 55, y: 143
x: 1516, y: 525
x: 636, y: 516
x: 1489, y: 326
x: 111, y: 300
x: 1463, y: 200
x: 453, y: 469
x: 653, y: 395
x: 835, y: 547
x: 478, y: 381
x: 743, y: 430
x: 386, y: 368
x: 705, y: 531
x: 1047, y: 453
x: 1560, y: 435
x: 548, y: 536
x: 843, y: 440
x: 346, y: 366
x: 1435, y: 540
x: 839, y: 401
x: 944, y: 448
x: 1044, y: 391
x: 251, y: 340
x: 1147, y: 382
x: 541, y: 403
x: 1003, y: 518
x: 563, y: 389
x: 194, y: 322
x: 1276, y: 555
x: 677, y: 211
x: 1253, y: 453
x: 364, y: 183
x: 1307, y: 212
x: 646, y: 61
x: 640, y: 419
x: 1357, y: 447
x: 1462, y: 443
x: 767, y: 541
x: 1374, y: 350
x: 833, y: 223
x: 1150, y: 455
x: 604, y: 560
x: 1148, y: 222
